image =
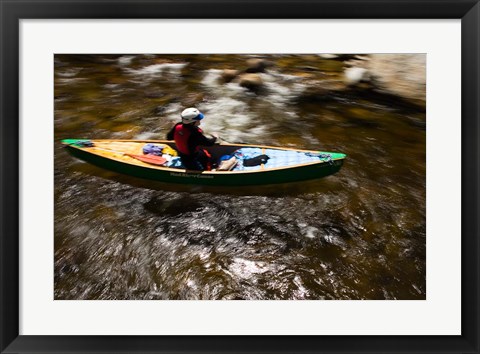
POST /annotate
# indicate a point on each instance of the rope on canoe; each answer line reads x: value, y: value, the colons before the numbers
x: 322, y: 156
x: 326, y: 158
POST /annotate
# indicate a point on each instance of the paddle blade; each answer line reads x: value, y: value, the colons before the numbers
x: 151, y: 159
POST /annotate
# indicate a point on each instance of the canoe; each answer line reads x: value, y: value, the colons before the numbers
x: 283, y: 165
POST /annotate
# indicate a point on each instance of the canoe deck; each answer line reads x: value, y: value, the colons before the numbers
x: 118, y: 156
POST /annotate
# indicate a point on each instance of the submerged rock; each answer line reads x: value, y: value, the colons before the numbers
x: 154, y: 94
x: 321, y: 90
x: 159, y: 110
x: 193, y: 99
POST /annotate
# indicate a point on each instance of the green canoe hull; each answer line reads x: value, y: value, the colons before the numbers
x: 232, y: 178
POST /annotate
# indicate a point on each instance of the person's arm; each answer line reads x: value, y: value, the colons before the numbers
x: 170, y: 133
x: 203, y: 140
x: 198, y: 139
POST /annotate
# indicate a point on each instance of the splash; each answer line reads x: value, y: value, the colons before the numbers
x: 156, y: 71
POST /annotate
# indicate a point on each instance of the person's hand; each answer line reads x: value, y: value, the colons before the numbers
x: 217, y: 138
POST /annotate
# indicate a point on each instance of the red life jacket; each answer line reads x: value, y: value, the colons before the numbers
x: 181, y: 135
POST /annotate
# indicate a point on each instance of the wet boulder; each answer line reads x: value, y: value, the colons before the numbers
x: 252, y: 82
x: 401, y: 75
x: 257, y: 65
x: 228, y: 75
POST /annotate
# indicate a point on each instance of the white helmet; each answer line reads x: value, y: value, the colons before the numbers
x: 191, y: 115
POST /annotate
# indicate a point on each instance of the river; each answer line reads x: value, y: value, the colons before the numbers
x: 358, y: 234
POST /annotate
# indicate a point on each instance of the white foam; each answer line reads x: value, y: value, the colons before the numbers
x: 211, y: 78
x: 311, y: 232
x: 245, y: 268
x: 125, y: 60
x: 157, y: 70
x: 68, y: 72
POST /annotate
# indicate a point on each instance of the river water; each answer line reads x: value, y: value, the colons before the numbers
x: 358, y: 234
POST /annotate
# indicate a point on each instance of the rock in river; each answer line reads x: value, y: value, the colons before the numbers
x: 257, y: 65
x: 228, y: 75
x: 402, y: 75
x: 250, y: 81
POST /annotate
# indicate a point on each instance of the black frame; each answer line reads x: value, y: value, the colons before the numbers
x: 12, y: 11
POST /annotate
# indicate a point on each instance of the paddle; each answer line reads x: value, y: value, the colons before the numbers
x: 220, y: 139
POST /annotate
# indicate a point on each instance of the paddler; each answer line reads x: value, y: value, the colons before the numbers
x: 190, y: 141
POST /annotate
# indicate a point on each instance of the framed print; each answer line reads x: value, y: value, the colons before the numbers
x: 313, y: 165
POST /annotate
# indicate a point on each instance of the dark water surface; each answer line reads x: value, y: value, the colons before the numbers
x: 359, y: 234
